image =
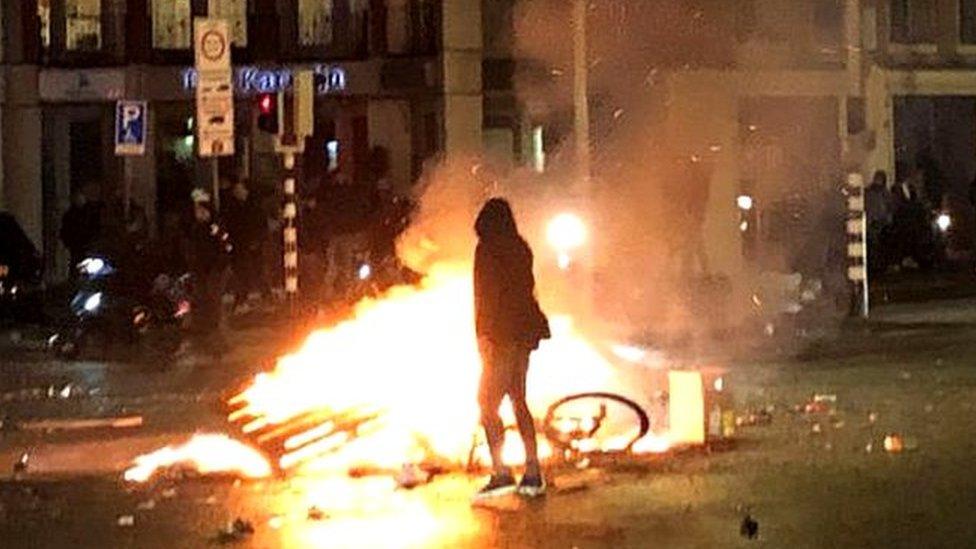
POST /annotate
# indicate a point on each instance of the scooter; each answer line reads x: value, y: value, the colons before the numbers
x: 111, y: 309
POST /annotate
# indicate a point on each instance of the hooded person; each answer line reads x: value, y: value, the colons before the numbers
x: 509, y: 324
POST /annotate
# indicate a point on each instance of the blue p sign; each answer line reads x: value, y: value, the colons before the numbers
x: 130, y: 127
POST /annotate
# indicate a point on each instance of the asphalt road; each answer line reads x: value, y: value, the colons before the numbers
x: 820, y: 479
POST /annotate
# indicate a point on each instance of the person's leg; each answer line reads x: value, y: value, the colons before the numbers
x: 490, y: 393
x: 518, y: 359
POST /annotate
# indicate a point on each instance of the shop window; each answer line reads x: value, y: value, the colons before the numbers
x: 44, y: 18
x: 172, y: 24
x: 235, y: 12
x: 913, y: 22
x: 83, y: 25
x: 315, y: 22
x: 967, y: 21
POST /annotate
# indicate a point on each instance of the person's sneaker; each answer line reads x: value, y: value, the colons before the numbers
x: 498, y: 485
x: 532, y: 486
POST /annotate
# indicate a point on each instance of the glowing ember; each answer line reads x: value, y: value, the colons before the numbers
x: 206, y: 454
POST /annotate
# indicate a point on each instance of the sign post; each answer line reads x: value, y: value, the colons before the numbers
x: 130, y: 140
x: 214, y: 93
x: 296, y: 122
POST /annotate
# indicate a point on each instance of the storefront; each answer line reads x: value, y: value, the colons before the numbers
x: 353, y: 114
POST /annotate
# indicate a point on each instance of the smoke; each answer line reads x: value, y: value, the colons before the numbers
x: 665, y: 245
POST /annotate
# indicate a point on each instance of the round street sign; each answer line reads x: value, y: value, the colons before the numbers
x: 213, y: 45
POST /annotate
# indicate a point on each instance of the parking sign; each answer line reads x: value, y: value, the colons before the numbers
x: 130, y: 128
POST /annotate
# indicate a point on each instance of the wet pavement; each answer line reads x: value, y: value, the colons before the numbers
x: 816, y: 477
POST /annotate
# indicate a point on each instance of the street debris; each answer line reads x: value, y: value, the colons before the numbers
x: 762, y: 417
x: 816, y: 429
x: 869, y: 447
x: 235, y: 531
x: 872, y: 417
x: 894, y: 444
x: 412, y: 476
x: 20, y: 466
x: 147, y: 505
x: 316, y: 514
x: 46, y: 425
x: 749, y: 528
x: 276, y: 522
x: 169, y: 493
x: 212, y: 500
x: 825, y: 398
x: 126, y: 520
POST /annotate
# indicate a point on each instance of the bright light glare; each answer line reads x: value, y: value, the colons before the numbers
x: 943, y: 222
x: 93, y: 302
x: 92, y: 265
x: 563, y: 260
x: 566, y: 232
x: 744, y: 202
x: 365, y: 271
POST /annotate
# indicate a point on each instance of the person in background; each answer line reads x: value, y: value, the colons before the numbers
x: 80, y: 227
x: 246, y: 225
x: 209, y: 252
x: 879, y: 208
x: 509, y: 325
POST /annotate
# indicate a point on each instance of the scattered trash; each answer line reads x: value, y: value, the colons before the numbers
x: 814, y: 407
x: 126, y: 520
x: 872, y: 417
x: 65, y: 392
x: 929, y: 408
x: 839, y: 424
x: 314, y: 513
x: 236, y: 530
x: 237, y: 483
x: 905, y: 375
x: 749, y: 528
x: 276, y: 522
x: 20, y: 466
x: 761, y: 417
x: 147, y: 505
x: 169, y: 493
x: 411, y: 476
x: 828, y: 446
x: 894, y: 444
x: 825, y: 398
x: 869, y: 448
x: 816, y: 429
x: 51, y: 391
x: 212, y: 500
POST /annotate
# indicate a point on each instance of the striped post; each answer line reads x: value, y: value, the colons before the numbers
x: 857, y: 243
x: 290, y: 233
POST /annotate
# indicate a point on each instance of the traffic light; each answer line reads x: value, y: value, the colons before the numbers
x: 268, y: 113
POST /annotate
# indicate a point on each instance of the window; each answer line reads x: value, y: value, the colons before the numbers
x: 913, y: 22
x: 967, y: 21
x: 172, y: 24
x: 828, y: 21
x: 44, y: 17
x: 315, y: 23
x: 83, y: 25
x: 235, y: 12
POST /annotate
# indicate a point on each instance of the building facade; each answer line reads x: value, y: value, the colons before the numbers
x: 401, y: 74
x: 807, y: 92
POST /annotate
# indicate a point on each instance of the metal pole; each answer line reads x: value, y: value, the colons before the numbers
x: 215, y: 167
x: 580, y: 99
x: 857, y: 242
x: 290, y: 232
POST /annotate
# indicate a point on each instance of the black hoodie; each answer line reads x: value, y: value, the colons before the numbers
x: 506, y: 311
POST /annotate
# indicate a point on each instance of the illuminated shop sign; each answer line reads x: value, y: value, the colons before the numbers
x: 251, y: 80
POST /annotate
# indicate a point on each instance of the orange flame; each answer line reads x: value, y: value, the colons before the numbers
x: 407, y: 366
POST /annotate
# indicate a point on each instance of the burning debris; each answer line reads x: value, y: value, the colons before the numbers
x: 205, y: 454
